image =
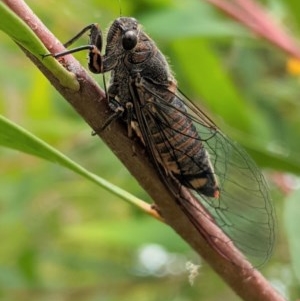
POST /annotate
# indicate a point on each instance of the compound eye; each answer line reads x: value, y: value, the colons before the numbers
x: 129, y: 40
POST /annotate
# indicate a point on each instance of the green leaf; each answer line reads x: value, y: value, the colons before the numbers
x: 19, y: 31
x: 15, y: 137
x: 292, y: 225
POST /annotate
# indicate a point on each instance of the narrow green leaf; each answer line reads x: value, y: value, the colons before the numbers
x: 15, y: 137
x: 18, y: 30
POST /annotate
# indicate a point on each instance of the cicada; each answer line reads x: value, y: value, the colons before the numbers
x: 184, y: 145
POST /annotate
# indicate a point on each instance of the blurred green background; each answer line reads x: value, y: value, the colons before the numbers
x: 63, y: 238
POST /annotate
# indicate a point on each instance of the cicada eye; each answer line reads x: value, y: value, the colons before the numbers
x: 129, y: 40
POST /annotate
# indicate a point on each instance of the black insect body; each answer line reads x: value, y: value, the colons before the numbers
x: 183, y: 143
x: 141, y: 80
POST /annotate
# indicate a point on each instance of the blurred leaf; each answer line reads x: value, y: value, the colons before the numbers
x: 10, y: 279
x: 27, y: 264
x: 261, y: 151
x: 40, y: 105
x: 202, y: 71
x: 189, y: 19
x: 292, y: 225
x: 108, y: 232
x: 294, y: 9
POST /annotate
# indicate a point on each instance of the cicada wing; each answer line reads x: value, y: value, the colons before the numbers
x: 243, y: 209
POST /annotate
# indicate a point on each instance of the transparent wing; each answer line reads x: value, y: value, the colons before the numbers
x: 244, y: 209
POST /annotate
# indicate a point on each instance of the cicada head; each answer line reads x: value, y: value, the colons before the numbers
x: 127, y: 44
x: 123, y: 35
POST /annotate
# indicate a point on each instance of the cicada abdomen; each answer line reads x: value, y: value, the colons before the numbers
x: 179, y: 148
